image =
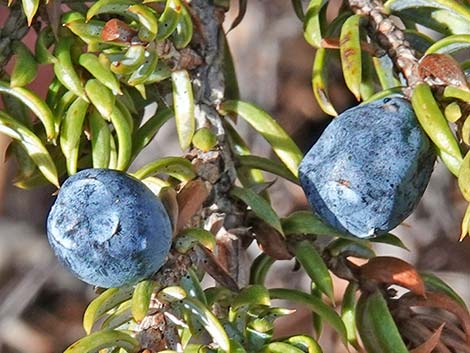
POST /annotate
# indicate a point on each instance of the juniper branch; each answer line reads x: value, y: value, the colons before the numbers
x: 389, y: 37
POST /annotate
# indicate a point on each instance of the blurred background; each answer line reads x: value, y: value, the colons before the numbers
x: 41, y: 305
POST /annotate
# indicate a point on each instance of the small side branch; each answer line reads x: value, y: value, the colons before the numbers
x: 390, y: 37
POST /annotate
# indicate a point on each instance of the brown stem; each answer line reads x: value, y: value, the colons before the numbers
x: 224, y: 216
x: 391, y: 38
x: 219, y: 213
x: 15, y: 28
x: 152, y: 332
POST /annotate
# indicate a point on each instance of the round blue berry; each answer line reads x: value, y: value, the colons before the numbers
x: 108, y: 228
x: 369, y: 168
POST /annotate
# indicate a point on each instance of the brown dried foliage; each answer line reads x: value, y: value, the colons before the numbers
x: 390, y: 270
